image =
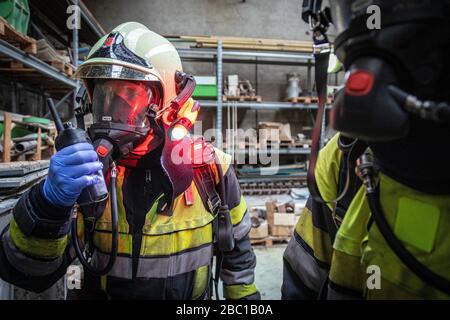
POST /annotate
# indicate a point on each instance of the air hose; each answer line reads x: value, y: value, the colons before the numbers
x: 85, y: 255
x: 367, y: 172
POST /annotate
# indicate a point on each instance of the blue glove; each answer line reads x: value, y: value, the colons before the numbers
x: 71, y: 170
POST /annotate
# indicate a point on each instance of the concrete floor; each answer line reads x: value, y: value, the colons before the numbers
x: 269, y: 271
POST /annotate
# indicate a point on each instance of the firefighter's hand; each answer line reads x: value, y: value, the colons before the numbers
x: 71, y: 170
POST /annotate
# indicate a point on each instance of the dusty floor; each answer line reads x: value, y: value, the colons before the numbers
x: 269, y: 271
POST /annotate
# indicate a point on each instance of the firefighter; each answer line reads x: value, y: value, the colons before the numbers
x: 377, y: 227
x: 167, y: 207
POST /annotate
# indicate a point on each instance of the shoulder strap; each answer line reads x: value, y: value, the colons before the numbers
x: 205, y: 182
x: 214, y: 198
x: 349, y: 183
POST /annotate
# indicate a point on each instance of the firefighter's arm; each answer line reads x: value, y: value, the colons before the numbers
x: 34, y: 246
x: 238, y: 266
x: 308, y: 255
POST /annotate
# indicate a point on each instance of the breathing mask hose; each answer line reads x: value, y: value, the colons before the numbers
x: 114, y: 233
x: 366, y: 172
x: 427, y: 110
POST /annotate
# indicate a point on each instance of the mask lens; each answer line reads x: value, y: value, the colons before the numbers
x: 122, y: 101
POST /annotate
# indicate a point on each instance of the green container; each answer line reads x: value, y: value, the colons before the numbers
x: 19, y: 131
x: 17, y: 13
x: 206, y: 87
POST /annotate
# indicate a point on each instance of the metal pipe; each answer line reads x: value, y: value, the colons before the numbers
x: 235, y: 53
x: 25, y: 146
x: 75, y: 39
x: 89, y: 19
x: 30, y: 137
x: 219, y: 94
x: 264, y: 105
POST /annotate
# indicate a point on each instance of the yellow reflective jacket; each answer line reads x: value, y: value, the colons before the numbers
x: 359, y: 264
x: 173, y: 259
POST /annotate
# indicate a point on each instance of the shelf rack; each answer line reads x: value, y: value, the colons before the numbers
x: 220, y: 56
x: 38, y: 76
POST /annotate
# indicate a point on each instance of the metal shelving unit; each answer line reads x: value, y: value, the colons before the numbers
x: 282, y: 151
x: 262, y: 105
x: 219, y: 56
x: 34, y: 63
x: 43, y: 77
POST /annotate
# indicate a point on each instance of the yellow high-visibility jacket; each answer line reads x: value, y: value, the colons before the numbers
x: 315, y: 266
x: 160, y: 256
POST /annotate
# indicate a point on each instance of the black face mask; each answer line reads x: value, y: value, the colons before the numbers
x: 123, y: 116
x: 410, y: 52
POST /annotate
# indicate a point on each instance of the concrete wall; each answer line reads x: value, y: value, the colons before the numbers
x: 253, y: 18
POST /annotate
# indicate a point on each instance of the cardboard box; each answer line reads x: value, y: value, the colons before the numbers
x: 275, y: 131
x: 284, y: 219
x: 261, y: 232
x: 281, y: 224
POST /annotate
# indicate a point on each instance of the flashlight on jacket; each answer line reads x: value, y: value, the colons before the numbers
x: 186, y: 119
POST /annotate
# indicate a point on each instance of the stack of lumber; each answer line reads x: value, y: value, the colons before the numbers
x: 250, y: 43
x: 56, y: 58
x: 18, y: 177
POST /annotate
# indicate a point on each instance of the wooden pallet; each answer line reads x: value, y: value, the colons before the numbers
x: 277, y: 143
x: 242, y: 98
x: 17, y: 39
x: 297, y: 144
x: 286, y: 143
x: 269, y: 241
x: 62, y: 66
x: 308, y: 100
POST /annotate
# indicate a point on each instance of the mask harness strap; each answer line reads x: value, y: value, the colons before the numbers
x: 319, y: 25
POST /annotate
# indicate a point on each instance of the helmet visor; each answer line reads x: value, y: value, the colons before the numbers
x: 122, y: 101
x: 112, y: 71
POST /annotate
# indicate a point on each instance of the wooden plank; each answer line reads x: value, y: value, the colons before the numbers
x: 38, y: 153
x: 256, y: 47
x: 247, y: 40
x: 16, y: 65
x: 309, y: 100
x: 57, y: 64
x: 260, y: 44
x: 242, y: 98
x: 269, y: 241
x: 7, y: 127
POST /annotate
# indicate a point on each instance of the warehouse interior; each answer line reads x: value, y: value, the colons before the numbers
x: 254, y: 66
x: 254, y: 70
